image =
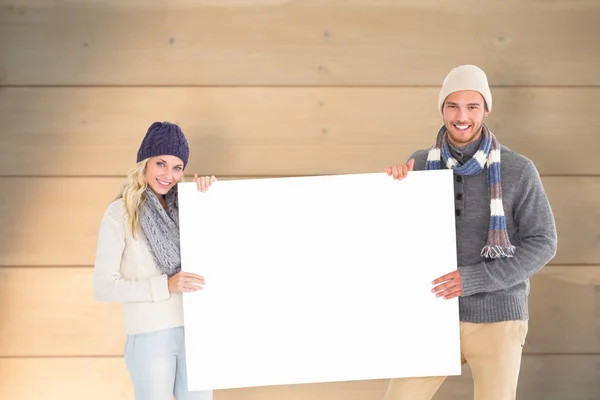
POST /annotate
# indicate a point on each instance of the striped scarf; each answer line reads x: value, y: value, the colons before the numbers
x: 498, y: 243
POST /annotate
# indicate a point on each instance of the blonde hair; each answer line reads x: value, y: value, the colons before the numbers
x: 133, y: 193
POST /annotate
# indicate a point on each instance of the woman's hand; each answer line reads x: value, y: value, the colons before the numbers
x: 185, y: 282
x: 204, y: 182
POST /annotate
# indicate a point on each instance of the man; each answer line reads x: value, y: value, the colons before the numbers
x: 505, y: 233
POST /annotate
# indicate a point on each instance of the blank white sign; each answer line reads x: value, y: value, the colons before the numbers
x: 319, y: 279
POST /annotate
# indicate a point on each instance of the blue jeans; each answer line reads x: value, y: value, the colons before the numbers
x: 156, y: 364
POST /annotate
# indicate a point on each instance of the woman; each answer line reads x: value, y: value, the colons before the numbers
x: 138, y: 263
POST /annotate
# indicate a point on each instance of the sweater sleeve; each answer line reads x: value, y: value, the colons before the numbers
x: 537, y: 231
x: 109, y: 285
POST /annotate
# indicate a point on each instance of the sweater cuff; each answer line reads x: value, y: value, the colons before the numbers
x: 473, y: 278
x: 159, y: 286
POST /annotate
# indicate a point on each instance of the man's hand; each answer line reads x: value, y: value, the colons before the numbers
x: 399, y: 172
x: 451, y: 286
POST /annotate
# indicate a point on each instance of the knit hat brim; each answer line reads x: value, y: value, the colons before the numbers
x: 164, y: 138
x: 465, y: 77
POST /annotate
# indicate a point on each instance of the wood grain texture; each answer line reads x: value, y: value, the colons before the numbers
x: 575, y: 206
x: 298, y: 43
x: 61, y: 318
x: 563, y: 313
x: 276, y: 88
x: 542, y: 377
x: 279, y: 131
x: 254, y: 3
x: 64, y: 379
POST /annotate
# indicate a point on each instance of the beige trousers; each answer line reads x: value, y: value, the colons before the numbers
x: 493, y: 352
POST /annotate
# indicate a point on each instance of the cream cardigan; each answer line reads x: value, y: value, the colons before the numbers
x: 125, y: 272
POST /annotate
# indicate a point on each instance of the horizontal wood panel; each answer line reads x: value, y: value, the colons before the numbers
x: 542, y: 377
x: 237, y: 3
x: 57, y: 315
x: 299, y: 43
x: 563, y: 313
x: 59, y: 218
x: 279, y: 131
x: 574, y: 202
x: 64, y: 379
x: 161, y: 3
x: 564, y: 305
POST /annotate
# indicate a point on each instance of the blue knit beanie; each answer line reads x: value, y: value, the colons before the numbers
x: 164, y: 138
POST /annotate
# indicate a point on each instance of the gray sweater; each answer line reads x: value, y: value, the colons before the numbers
x: 496, y: 290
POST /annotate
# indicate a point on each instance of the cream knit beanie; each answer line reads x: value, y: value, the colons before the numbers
x: 466, y: 77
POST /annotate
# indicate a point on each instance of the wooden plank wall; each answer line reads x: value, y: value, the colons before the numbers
x: 276, y: 88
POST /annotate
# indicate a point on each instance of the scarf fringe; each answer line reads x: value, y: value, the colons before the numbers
x: 498, y: 251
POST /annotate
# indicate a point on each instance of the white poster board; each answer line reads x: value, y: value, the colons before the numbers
x: 319, y: 279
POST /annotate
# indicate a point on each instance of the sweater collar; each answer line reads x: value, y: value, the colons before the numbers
x: 464, y: 153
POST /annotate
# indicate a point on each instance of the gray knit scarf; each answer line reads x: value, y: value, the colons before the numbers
x: 498, y: 243
x: 161, y: 228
